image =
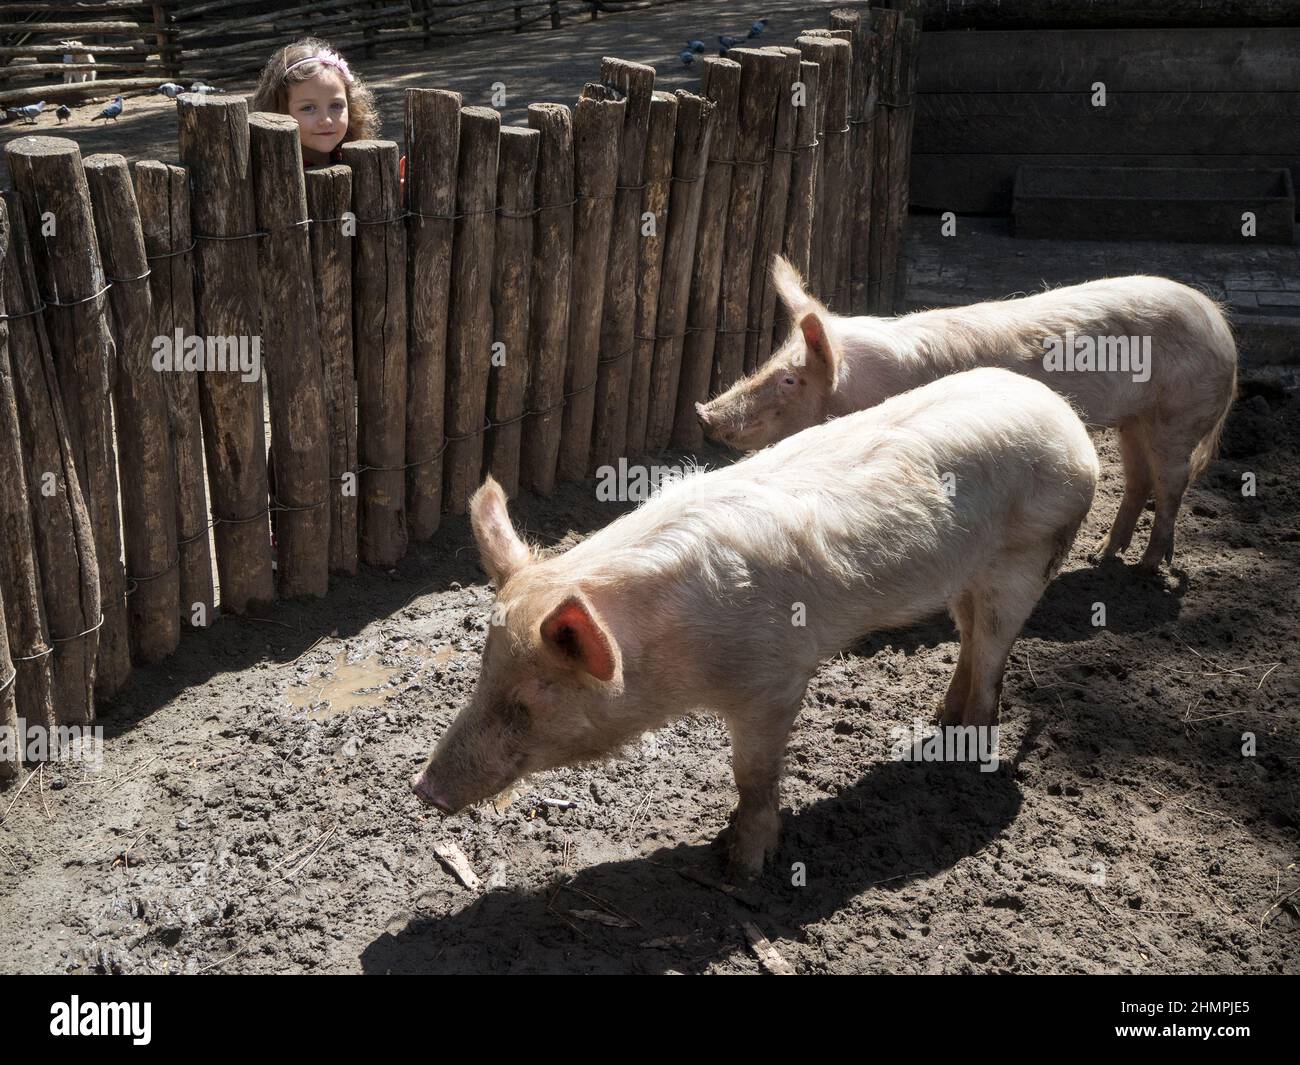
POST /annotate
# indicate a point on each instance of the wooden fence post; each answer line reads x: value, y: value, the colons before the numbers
x: 432, y: 149
x: 655, y: 201
x: 149, y: 481
x: 552, y: 271
x: 598, y: 121
x: 862, y: 109
x: 772, y: 224
x: 720, y: 82
x: 801, y: 211
x: 379, y: 323
x: 213, y: 141
x: 692, y: 136
x: 634, y: 83
x: 51, y: 184
x: 511, y: 280
x: 163, y: 192
x: 469, y: 325
x: 292, y: 355
x: 905, y: 116
x: 888, y: 26
x: 329, y: 201
x: 26, y: 685
x: 61, y: 525
x: 760, y: 76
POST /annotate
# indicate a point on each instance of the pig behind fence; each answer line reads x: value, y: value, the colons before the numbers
x: 725, y: 591
x: 1167, y: 376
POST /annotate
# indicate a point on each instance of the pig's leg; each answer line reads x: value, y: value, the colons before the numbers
x: 1171, y: 465
x: 1137, y: 490
x: 954, y: 702
x: 1005, y: 595
x: 757, y: 750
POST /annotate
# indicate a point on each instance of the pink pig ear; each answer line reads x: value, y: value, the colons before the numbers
x: 499, y: 546
x: 573, y: 632
x: 823, y: 355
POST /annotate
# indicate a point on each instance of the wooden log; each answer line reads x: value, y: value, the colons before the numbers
x: 511, y: 279
x: 900, y: 123
x: 888, y: 27
x: 213, y: 140
x: 761, y: 71
x: 552, y: 271
x: 693, y: 134
x: 815, y: 48
x: 469, y: 325
x: 837, y: 152
x: 598, y: 122
x: 863, y: 92
x: 295, y: 365
x: 11, y: 741
x: 1037, y: 14
x: 61, y: 524
x: 329, y: 200
x: 655, y: 201
x: 26, y: 685
x: 771, y: 225
x: 379, y: 323
x: 907, y: 118
x: 634, y: 82
x: 433, y: 145
x: 49, y: 180
x: 797, y: 244
x: 149, y: 487
x: 163, y: 193
x: 75, y: 92
x: 720, y: 82
x: 98, y: 29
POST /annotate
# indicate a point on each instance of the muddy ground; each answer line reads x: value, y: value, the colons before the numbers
x: 251, y: 813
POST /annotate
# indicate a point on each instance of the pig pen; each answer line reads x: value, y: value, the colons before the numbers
x: 252, y: 814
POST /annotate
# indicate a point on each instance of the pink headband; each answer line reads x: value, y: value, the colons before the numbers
x: 332, y: 59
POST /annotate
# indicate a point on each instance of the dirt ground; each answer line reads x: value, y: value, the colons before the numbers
x: 252, y: 814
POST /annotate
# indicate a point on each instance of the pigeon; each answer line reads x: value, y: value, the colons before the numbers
x: 31, y: 111
x: 64, y: 112
x: 695, y: 46
x: 204, y: 88
x: 111, y: 111
x: 758, y: 27
x: 169, y: 89
x: 728, y: 42
x: 687, y: 57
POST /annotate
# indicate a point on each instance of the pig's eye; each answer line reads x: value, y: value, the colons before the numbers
x: 788, y: 380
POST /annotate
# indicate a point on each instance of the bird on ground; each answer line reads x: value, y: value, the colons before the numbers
x: 204, y: 88
x: 169, y: 89
x: 728, y: 42
x: 111, y: 111
x: 695, y: 46
x: 31, y: 111
x: 687, y: 57
x: 758, y: 27
x: 64, y: 112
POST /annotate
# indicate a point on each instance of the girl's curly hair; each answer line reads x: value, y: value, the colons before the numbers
x: 273, y: 87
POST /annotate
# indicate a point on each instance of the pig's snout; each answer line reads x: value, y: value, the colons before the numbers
x: 426, y: 793
x: 702, y: 412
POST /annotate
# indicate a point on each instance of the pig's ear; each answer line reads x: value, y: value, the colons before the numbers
x: 789, y: 285
x: 499, y: 546
x: 823, y: 357
x: 574, y: 633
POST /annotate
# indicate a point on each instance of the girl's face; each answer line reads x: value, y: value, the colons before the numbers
x: 320, y: 105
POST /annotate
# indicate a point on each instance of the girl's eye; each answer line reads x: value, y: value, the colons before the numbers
x: 337, y: 107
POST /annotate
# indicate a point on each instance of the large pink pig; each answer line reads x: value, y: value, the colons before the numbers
x: 725, y: 591
x: 1145, y: 354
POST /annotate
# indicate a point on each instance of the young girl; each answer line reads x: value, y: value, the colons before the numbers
x: 311, y: 82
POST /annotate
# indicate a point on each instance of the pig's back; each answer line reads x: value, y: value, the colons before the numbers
x: 856, y: 514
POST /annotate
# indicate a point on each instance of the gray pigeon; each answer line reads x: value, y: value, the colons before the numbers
x: 169, y: 89
x: 111, y: 111
x: 203, y: 87
x: 31, y: 111
x: 64, y: 112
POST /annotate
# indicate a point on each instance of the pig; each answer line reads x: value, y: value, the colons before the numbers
x: 1169, y: 403
x: 725, y: 590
